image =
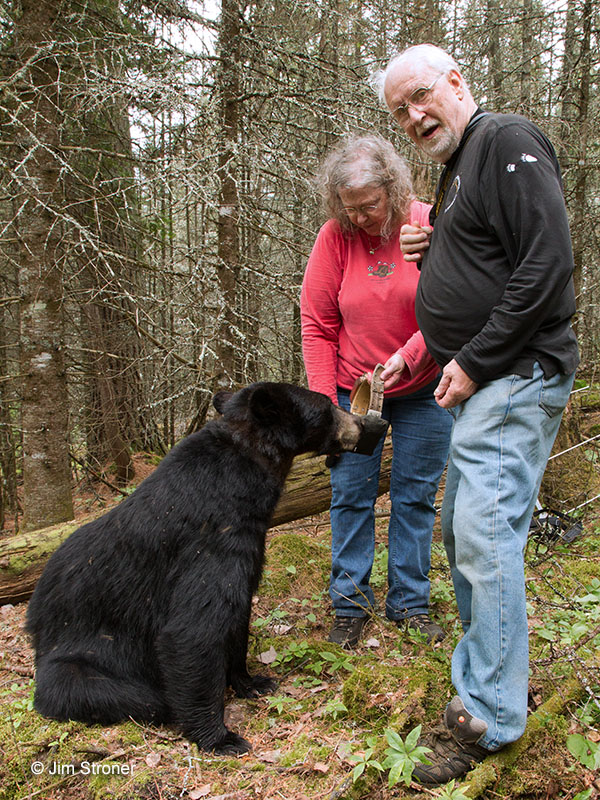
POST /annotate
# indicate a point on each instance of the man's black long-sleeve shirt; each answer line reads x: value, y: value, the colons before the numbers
x: 496, y: 289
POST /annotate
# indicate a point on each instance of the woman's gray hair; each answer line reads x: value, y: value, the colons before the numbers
x: 365, y: 161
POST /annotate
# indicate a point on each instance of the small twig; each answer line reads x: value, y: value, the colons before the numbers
x: 341, y: 788
x: 98, y: 476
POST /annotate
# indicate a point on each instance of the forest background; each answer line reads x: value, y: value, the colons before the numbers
x: 156, y: 206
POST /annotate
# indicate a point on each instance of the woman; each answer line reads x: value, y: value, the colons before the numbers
x: 357, y: 307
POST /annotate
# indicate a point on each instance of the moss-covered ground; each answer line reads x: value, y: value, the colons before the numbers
x: 334, y: 709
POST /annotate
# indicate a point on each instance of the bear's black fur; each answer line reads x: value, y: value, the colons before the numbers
x: 144, y: 612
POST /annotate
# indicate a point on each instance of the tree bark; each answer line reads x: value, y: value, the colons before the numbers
x: 494, y: 54
x: 102, y: 198
x: 575, y: 118
x: 8, y: 461
x: 526, y: 58
x: 580, y: 215
x: 228, y: 247
x: 307, y: 492
x: 45, y: 405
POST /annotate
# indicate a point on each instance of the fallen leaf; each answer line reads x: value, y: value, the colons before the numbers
x: 270, y: 756
x: 153, y: 759
x: 201, y: 791
x: 269, y: 656
x: 281, y: 630
x: 344, y: 749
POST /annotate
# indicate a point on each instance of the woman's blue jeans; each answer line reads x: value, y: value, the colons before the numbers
x: 420, y: 436
x: 501, y: 440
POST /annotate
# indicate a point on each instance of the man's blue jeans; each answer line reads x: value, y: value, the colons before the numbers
x: 420, y: 435
x: 501, y: 440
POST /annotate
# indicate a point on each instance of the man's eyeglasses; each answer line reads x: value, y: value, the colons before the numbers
x: 419, y: 99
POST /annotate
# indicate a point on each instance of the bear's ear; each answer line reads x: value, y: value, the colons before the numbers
x: 221, y: 399
x: 266, y: 405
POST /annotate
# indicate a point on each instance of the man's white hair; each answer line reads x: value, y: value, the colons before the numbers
x: 428, y: 54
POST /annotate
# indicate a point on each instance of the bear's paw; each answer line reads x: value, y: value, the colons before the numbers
x: 232, y: 744
x: 255, y: 686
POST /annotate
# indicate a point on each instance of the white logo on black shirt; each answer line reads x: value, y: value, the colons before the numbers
x: 453, y: 193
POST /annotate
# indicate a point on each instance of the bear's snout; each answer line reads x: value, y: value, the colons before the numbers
x: 349, y: 429
x: 374, y: 428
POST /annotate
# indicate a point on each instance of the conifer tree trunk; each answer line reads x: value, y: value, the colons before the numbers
x: 526, y: 57
x: 228, y: 233
x: 575, y: 96
x: 583, y: 129
x: 44, y: 409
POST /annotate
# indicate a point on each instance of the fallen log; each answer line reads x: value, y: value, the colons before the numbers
x: 307, y: 492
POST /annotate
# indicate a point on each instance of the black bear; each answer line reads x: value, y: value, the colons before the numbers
x: 144, y: 612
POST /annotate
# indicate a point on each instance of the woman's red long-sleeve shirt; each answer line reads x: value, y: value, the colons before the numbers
x: 358, y: 309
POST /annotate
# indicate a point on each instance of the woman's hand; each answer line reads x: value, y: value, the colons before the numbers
x: 392, y: 370
x: 414, y: 240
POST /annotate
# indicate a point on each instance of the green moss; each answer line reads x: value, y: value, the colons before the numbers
x: 294, y: 565
x: 581, y: 572
x: 131, y: 735
x: 540, y: 764
x: 570, y: 569
x: 303, y: 750
x: 19, y: 554
x: 396, y: 696
x: 29, y: 739
x: 121, y: 787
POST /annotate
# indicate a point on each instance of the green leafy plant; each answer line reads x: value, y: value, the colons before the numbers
x: 364, y: 759
x: 22, y: 705
x: 275, y: 616
x: 281, y: 704
x: 416, y: 636
x: 336, y: 662
x: 306, y: 682
x: 61, y: 740
x: 592, y: 598
x: 379, y: 569
x: 335, y: 708
x: 311, y: 617
x: 304, y: 604
x: 451, y: 792
x: 403, y: 755
x: 441, y: 592
x: 589, y: 713
x: 294, y: 652
x: 312, y: 660
x: 584, y: 750
x: 585, y: 795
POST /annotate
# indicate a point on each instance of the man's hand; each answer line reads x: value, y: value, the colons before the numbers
x: 393, y: 369
x: 454, y: 387
x: 414, y: 240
